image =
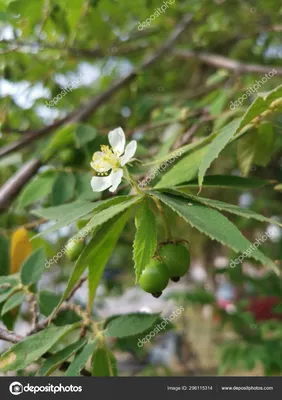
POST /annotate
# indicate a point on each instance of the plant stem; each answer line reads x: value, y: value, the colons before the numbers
x: 166, y: 227
x: 131, y: 181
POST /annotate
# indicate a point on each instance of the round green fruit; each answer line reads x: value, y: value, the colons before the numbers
x: 154, y: 278
x: 74, y: 248
x: 177, y: 259
x: 67, y: 156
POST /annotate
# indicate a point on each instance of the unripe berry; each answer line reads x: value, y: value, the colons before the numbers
x: 74, y: 249
x: 177, y: 259
x: 67, y: 156
x: 154, y: 278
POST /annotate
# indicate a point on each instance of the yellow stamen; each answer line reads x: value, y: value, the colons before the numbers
x: 108, y: 157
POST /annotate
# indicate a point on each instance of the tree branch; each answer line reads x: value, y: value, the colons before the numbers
x: 219, y: 61
x: 9, y: 336
x: 13, y: 186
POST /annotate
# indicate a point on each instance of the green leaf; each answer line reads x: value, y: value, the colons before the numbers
x: 102, y: 246
x: 103, y: 216
x: 32, y: 348
x: 218, y: 104
x: 14, y: 301
x: 145, y: 241
x: 11, y: 280
x: 69, y: 213
x: 84, y: 134
x: 63, y: 189
x: 37, y: 189
x: 81, y: 359
x: 4, y: 255
x: 213, y: 224
x: 103, y: 362
x: 188, y: 148
x: 33, y: 267
x: 76, y: 209
x: 228, y: 133
x: 53, y: 362
x: 82, y: 188
x: 185, y: 170
x: 106, y: 238
x: 230, y: 208
x: 217, y: 145
x: 48, y: 301
x: 228, y: 182
x: 5, y: 293
x: 63, y: 138
x: 264, y: 144
x: 130, y: 324
x: 261, y: 104
x: 246, y: 149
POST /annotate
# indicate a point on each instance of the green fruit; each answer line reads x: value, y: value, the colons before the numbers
x: 177, y: 259
x: 74, y: 248
x: 154, y: 278
x: 67, y: 156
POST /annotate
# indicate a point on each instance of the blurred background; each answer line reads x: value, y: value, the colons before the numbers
x: 71, y: 71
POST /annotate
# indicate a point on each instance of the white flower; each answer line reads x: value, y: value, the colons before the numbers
x: 111, y: 159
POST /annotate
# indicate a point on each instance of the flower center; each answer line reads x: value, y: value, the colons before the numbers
x: 108, y: 160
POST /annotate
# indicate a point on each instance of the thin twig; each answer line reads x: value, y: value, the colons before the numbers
x: 34, y: 311
x: 219, y: 61
x: 76, y: 287
x: 9, y: 336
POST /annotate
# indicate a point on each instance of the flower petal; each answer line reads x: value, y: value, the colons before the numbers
x: 100, y: 183
x: 98, y: 163
x: 130, y: 150
x: 116, y: 179
x: 117, y: 140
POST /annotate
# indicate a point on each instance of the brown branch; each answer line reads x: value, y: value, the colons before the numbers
x: 76, y: 287
x: 34, y: 311
x: 13, y: 186
x: 219, y: 61
x: 9, y: 336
